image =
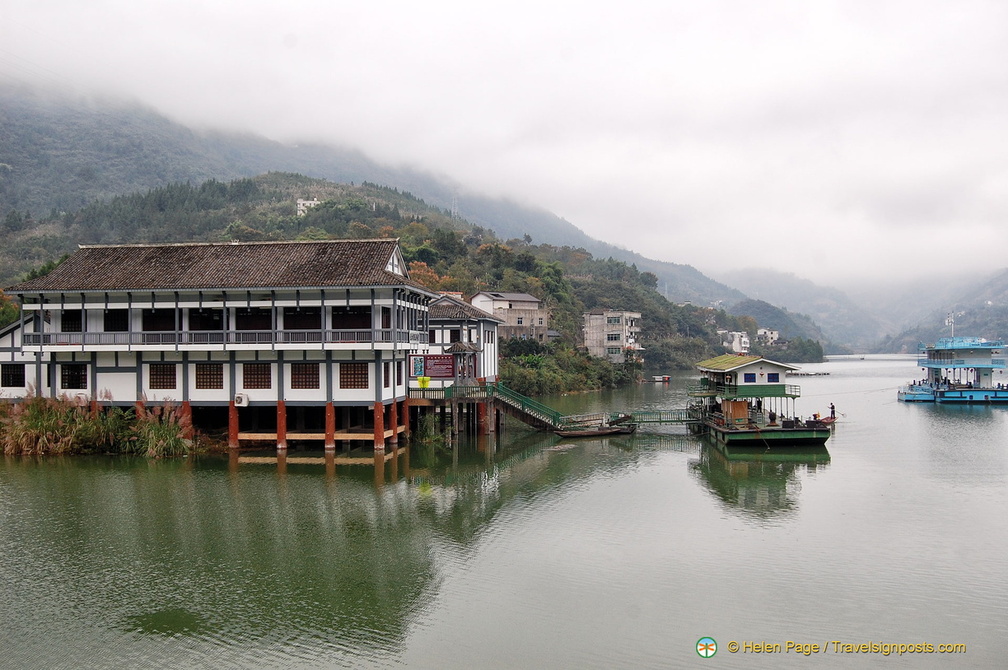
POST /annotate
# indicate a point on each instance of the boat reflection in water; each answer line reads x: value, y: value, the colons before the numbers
x: 759, y: 481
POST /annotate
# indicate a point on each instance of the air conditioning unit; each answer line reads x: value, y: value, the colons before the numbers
x: 241, y: 400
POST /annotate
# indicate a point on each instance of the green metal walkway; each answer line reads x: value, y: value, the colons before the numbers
x: 541, y: 416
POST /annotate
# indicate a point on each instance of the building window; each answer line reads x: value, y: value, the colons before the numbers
x: 206, y: 319
x: 489, y: 335
x: 521, y: 321
x: 73, y: 321
x: 613, y: 320
x: 257, y: 375
x: 209, y: 375
x: 750, y: 377
x: 540, y: 321
x: 773, y: 377
x: 305, y: 376
x: 613, y: 337
x: 115, y: 320
x: 454, y: 335
x: 12, y: 375
x: 353, y: 375
x: 613, y: 351
x: 386, y: 374
x: 398, y: 373
x: 302, y: 318
x: 162, y: 375
x: 73, y: 375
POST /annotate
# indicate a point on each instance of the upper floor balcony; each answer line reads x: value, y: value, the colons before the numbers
x: 226, y: 339
x: 943, y: 362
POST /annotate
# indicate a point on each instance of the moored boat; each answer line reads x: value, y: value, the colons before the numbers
x: 743, y: 401
x: 959, y: 370
x: 597, y: 431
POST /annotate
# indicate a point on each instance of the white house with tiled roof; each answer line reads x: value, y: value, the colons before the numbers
x: 522, y: 314
x: 292, y: 340
x: 462, y: 344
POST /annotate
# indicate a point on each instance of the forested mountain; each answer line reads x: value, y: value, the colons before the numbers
x: 443, y: 251
x: 59, y: 154
x: 788, y: 323
x: 978, y: 311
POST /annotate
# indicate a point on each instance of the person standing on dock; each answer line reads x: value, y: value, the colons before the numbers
x: 832, y: 411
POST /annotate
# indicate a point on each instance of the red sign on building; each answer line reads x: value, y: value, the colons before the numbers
x: 435, y: 366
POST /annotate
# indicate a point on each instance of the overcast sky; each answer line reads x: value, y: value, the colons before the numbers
x: 829, y: 139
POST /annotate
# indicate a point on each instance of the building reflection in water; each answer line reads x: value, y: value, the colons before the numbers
x: 761, y: 482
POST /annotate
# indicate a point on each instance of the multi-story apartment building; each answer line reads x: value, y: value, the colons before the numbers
x: 299, y: 340
x: 610, y: 333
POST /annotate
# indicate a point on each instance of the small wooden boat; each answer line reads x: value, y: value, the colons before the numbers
x: 596, y: 431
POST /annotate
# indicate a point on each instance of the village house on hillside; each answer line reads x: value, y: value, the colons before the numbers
x: 610, y: 334
x: 736, y: 341
x: 277, y: 340
x: 522, y: 315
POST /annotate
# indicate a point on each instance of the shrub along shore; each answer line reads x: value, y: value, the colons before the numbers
x: 64, y: 426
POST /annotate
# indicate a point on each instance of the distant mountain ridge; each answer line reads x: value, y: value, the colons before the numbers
x: 100, y: 150
x: 841, y: 319
x: 59, y: 154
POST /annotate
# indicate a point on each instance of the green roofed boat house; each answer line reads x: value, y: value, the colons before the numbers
x: 745, y: 401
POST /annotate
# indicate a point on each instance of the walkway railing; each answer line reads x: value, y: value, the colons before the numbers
x: 536, y: 413
x: 530, y: 408
x: 243, y: 337
x: 689, y: 415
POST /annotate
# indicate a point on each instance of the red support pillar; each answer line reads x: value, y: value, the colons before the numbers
x: 394, y: 422
x: 405, y: 416
x: 330, y: 427
x: 379, y: 427
x: 186, y: 420
x: 281, y: 425
x: 481, y: 418
x: 232, y: 426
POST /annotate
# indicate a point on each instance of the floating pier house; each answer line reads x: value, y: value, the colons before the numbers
x: 268, y: 341
x: 959, y: 370
x: 744, y: 401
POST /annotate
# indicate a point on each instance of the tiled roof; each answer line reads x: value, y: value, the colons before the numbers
x: 449, y: 309
x: 254, y: 265
x: 519, y: 297
x: 462, y: 348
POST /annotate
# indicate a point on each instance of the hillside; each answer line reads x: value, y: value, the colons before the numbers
x: 979, y: 310
x: 842, y: 320
x: 59, y: 154
x: 789, y: 324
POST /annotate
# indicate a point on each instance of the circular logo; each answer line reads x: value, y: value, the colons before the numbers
x: 706, y: 647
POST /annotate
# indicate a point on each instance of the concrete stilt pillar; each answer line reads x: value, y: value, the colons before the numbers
x: 281, y: 425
